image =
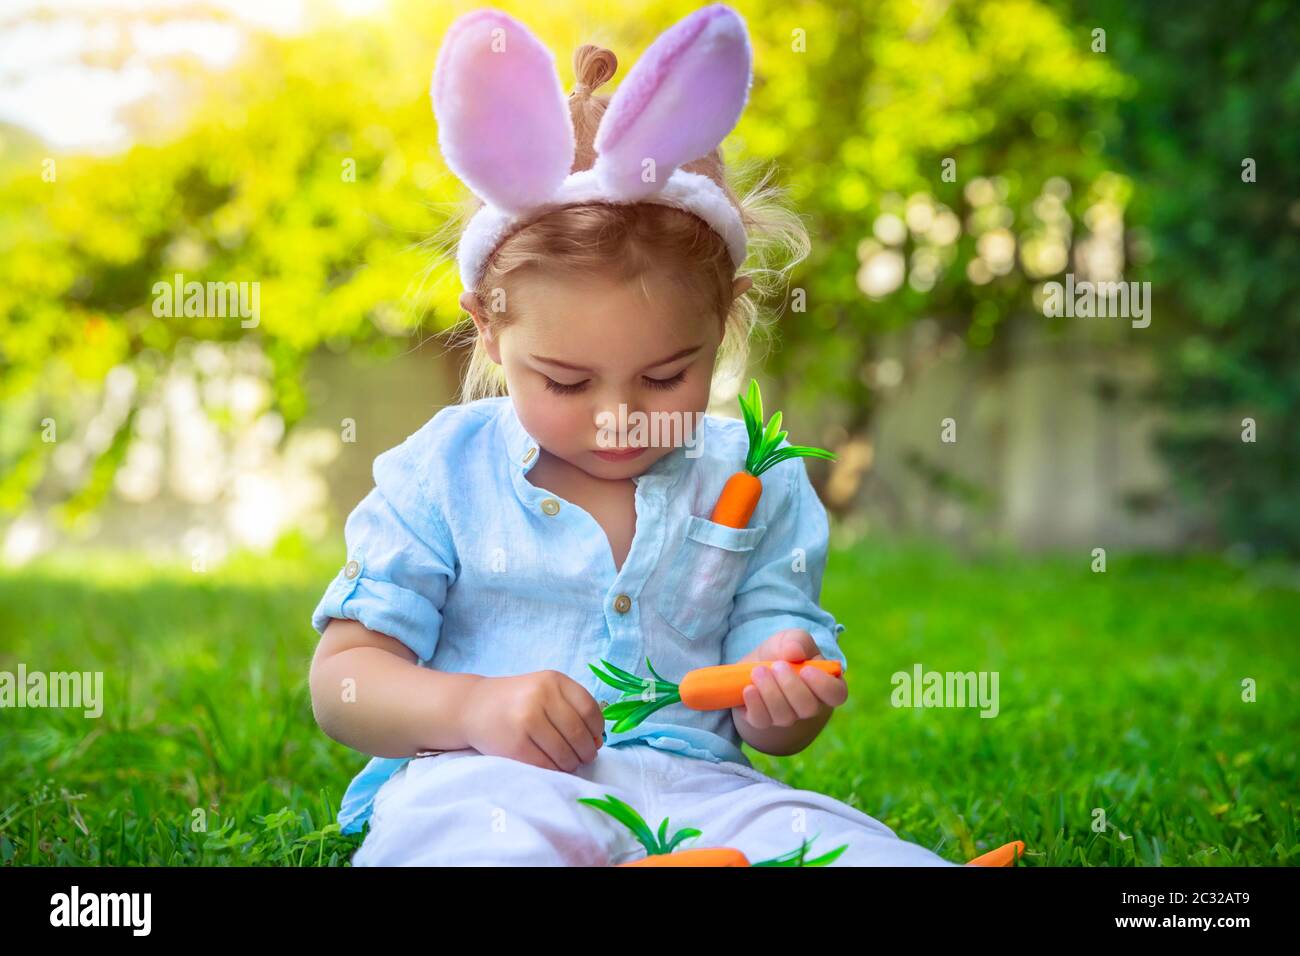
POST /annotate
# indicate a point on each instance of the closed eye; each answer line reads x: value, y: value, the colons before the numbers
x: 660, y: 383
x: 666, y: 382
x: 561, y: 389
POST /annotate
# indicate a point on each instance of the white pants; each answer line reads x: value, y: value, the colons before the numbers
x: 464, y: 808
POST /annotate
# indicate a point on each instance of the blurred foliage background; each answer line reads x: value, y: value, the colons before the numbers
x: 1104, y: 138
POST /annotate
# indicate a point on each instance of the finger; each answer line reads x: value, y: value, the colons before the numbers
x: 535, y: 755
x: 755, y: 710
x: 587, y: 708
x: 773, y: 697
x: 798, y: 694
x: 778, y: 644
x: 807, y: 646
x: 795, y: 644
x: 549, y: 738
x: 832, y: 691
x: 566, y: 719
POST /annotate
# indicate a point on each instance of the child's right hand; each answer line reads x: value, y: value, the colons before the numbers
x: 545, y: 718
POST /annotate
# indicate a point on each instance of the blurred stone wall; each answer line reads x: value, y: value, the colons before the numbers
x: 1053, y: 449
x: 1054, y: 446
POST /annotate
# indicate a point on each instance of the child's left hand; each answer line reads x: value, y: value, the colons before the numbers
x: 779, y: 695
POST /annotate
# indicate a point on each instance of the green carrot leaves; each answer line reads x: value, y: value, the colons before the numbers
x: 628, y: 816
x: 796, y: 857
x: 641, y: 695
x: 658, y: 845
x: 765, y: 440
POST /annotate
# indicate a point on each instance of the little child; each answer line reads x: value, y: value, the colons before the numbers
x: 515, y: 539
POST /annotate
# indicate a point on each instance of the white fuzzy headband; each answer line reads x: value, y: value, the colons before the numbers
x: 505, y: 130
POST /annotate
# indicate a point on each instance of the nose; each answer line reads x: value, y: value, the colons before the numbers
x: 616, y: 418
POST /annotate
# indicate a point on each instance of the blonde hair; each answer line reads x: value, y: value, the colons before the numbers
x: 628, y: 241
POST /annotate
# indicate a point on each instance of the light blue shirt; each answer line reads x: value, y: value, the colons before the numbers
x: 477, y: 570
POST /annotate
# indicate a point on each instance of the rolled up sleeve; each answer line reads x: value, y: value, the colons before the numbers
x: 782, y: 585
x: 395, y: 578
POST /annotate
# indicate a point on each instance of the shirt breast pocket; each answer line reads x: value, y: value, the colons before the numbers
x: 703, y: 576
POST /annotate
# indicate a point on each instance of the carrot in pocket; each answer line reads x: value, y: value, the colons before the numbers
x: 740, y: 494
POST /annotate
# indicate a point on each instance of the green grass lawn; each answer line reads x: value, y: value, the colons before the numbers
x: 1118, y: 693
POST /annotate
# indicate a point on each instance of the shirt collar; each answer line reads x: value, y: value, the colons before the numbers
x: 523, y: 450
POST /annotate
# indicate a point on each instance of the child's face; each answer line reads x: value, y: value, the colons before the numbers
x: 650, y: 354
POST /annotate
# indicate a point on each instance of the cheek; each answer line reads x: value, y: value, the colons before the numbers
x: 554, y: 420
x: 693, y: 394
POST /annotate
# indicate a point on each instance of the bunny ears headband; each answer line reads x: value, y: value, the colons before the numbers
x: 505, y: 130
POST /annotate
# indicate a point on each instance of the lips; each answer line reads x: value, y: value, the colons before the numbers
x: 620, y: 455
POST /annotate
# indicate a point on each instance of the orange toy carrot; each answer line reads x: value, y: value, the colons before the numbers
x: 1005, y: 855
x: 704, y: 856
x: 705, y: 688
x: 722, y: 686
x: 659, y: 849
x: 740, y: 495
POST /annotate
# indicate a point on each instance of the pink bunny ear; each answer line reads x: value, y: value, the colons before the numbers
x: 677, y: 104
x: 503, y: 121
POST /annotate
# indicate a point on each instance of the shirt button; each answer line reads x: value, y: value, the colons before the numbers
x: 550, y: 506
x: 351, y: 569
x: 622, y: 604
x: 528, y: 456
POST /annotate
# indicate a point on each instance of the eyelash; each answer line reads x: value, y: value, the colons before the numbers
x: 658, y: 383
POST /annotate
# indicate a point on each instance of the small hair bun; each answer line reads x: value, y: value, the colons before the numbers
x: 592, y: 66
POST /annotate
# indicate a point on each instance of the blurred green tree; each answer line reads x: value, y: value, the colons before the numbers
x: 1210, y: 138
x: 310, y: 168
